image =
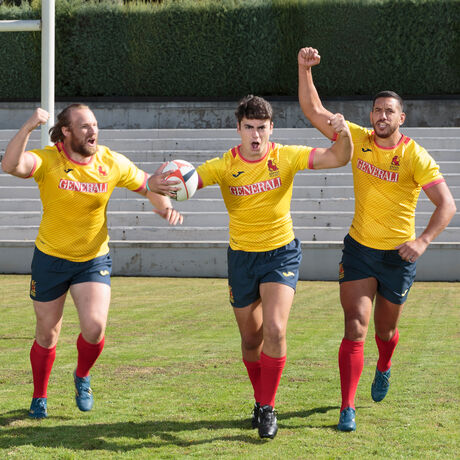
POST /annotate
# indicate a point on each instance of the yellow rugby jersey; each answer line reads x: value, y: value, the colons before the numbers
x: 387, y: 183
x: 257, y: 194
x: 74, y: 198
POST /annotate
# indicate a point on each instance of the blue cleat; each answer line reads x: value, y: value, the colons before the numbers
x: 380, y: 385
x: 38, y: 408
x: 83, y: 393
x: 347, y: 420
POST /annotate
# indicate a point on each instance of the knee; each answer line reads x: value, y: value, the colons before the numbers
x: 93, y: 333
x: 251, y: 341
x: 355, y: 328
x: 274, y: 333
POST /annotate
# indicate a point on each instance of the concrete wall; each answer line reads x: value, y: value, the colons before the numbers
x: 212, y: 114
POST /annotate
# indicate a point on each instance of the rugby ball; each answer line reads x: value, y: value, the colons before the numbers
x: 186, y: 173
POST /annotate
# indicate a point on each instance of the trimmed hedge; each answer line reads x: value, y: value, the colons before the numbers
x: 227, y: 48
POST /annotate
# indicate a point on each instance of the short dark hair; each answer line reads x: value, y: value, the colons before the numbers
x: 391, y: 94
x: 63, y: 119
x: 254, y: 108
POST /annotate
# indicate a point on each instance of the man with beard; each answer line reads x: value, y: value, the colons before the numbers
x: 76, y: 177
x: 378, y: 261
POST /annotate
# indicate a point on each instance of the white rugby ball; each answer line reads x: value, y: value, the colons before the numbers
x: 186, y: 173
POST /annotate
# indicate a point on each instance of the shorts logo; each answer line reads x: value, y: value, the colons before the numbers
x: 341, y: 272
x: 404, y: 293
x: 104, y: 272
x: 230, y: 292
x: 33, y: 288
x: 288, y: 274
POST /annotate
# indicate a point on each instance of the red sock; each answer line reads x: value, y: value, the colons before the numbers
x: 351, y: 362
x: 253, y: 368
x: 42, y: 360
x: 87, y: 355
x: 386, y: 350
x: 270, y: 376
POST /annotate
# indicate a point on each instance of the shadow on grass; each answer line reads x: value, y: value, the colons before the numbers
x: 153, y: 434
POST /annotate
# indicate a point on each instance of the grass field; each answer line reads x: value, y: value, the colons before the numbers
x: 170, y: 382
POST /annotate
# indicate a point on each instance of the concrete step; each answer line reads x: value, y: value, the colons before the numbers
x: 193, y: 218
x: 222, y: 144
x: 203, y: 233
x: 416, y: 133
x: 204, y: 204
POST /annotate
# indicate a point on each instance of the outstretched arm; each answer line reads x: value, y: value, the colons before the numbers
x: 309, y: 100
x: 339, y: 153
x: 442, y: 198
x: 14, y: 161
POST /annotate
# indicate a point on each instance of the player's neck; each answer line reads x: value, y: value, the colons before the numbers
x: 75, y: 156
x: 390, y: 141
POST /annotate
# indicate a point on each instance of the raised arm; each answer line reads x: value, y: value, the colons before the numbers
x: 339, y: 153
x: 309, y: 100
x: 442, y: 198
x: 14, y: 161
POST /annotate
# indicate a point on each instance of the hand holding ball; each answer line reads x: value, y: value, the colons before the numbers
x: 185, y: 172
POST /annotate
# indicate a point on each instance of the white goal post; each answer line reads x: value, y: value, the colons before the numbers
x: 47, y: 27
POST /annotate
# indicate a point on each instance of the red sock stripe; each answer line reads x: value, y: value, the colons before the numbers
x: 87, y: 355
x: 42, y: 360
x: 351, y: 362
x: 270, y: 376
x: 386, y: 349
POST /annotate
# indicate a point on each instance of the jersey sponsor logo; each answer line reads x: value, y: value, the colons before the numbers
x: 68, y: 170
x: 389, y: 176
x: 254, y: 189
x: 87, y: 187
x: 238, y: 174
x: 288, y: 274
x: 102, y: 171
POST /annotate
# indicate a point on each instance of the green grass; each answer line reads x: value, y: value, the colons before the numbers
x: 170, y: 382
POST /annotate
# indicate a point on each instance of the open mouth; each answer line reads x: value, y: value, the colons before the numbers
x: 255, y: 145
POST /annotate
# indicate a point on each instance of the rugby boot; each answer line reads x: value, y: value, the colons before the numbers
x: 347, y: 420
x: 255, y: 415
x: 38, y: 408
x: 267, y: 423
x: 83, y: 393
x: 380, y: 385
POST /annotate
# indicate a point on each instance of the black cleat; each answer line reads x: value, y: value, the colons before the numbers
x: 255, y: 415
x: 268, y: 426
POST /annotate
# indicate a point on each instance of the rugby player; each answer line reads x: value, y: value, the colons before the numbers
x: 76, y: 177
x: 381, y: 248
x: 256, y: 179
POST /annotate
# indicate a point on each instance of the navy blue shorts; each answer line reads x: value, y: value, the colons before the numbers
x: 52, y: 276
x: 393, y: 274
x: 247, y: 270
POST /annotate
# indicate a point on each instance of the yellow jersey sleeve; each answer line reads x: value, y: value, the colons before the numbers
x: 387, y: 183
x: 257, y: 194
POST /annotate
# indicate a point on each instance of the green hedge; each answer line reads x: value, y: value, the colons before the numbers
x: 227, y: 48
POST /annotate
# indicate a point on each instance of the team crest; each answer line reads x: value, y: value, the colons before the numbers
x: 341, y: 272
x: 230, y: 292
x: 394, y: 163
x: 102, y: 171
x: 272, y: 168
x: 33, y: 288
